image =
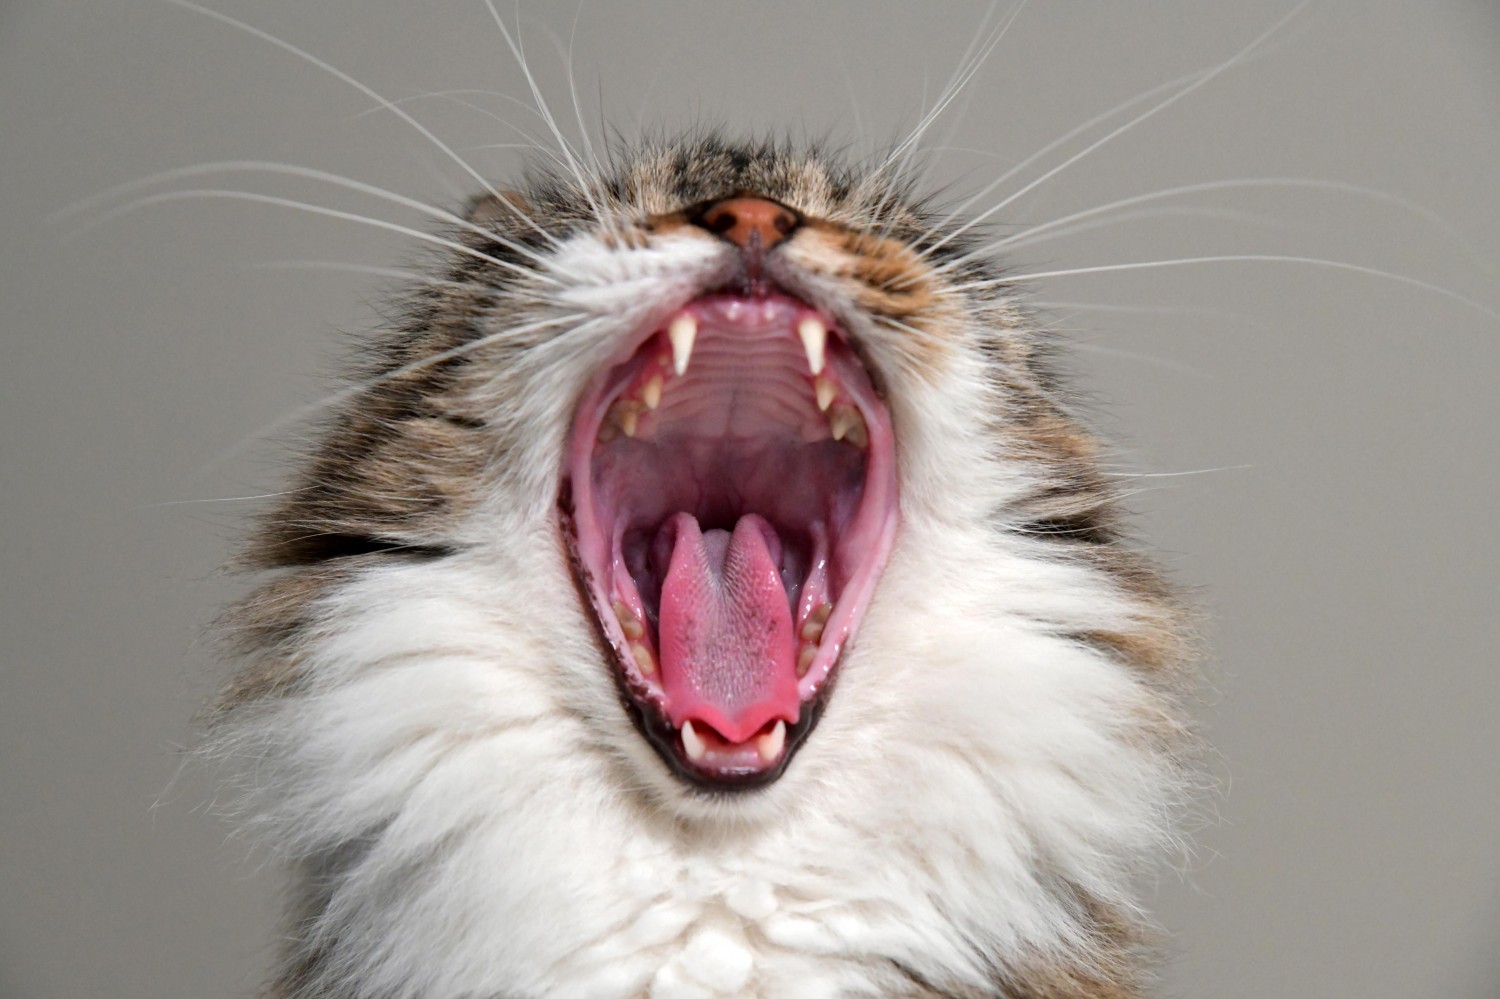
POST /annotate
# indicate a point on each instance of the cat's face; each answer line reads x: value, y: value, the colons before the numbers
x: 713, y: 372
x: 716, y: 519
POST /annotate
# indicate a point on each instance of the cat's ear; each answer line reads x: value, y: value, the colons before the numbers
x: 499, y: 210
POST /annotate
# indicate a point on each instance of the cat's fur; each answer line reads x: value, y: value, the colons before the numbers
x: 426, y: 726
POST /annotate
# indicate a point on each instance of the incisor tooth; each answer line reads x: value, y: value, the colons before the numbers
x: 643, y: 658
x: 814, y: 340
x: 769, y: 746
x: 693, y: 743
x: 826, y: 391
x: 845, y: 422
x: 682, y: 333
x: 651, y: 392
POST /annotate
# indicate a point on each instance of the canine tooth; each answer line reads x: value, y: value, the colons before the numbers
x: 693, y: 743
x: 814, y: 340
x: 845, y: 422
x: 643, y: 658
x: 651, y: 392
x: 682, y: 333
x: 826, y: 391
x: 805, y: 659
x: 769, y: 746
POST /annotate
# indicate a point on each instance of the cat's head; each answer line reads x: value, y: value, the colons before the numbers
x: 731, y: 421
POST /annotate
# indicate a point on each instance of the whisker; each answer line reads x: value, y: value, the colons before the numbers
x: 392, y: 273
x: 1048, y: 232
x: 584, y: 188
x: 221, y: 499
x: 304, y: 413
x: 401, y: 113
x: 1340, y: 265
x: 456, y: 97
x: 970, y: 62
x: 305, y: 173
x: 267, y: 199
x: 1157, y: 310
x: 1187, y: 84
x: 1307, y: 183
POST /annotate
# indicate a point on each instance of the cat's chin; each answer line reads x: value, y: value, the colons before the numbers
x: 729, y: 502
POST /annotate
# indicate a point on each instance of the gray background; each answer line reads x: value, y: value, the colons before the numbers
x: 1345, y: 553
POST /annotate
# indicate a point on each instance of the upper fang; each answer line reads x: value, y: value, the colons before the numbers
x: 682, y: 332
x: 814, y: 340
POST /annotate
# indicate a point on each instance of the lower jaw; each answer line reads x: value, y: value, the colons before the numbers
x: 737, y: 771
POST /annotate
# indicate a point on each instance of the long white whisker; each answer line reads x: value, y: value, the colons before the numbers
x: 390, y: 273
x: 456, y: 97
x: 399, y: 112
x: 267, y: 199
x: 1203, y: 80
x: 584, y: 188
x: 1046, y: 233
x: 1052, y: 305
x: 1370, y: 193
x: 304, y: 413
x: 306, y: 173
x: 970, y: 63
x: 1340, y: 265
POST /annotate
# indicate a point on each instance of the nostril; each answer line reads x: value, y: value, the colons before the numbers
x: 747, y: 220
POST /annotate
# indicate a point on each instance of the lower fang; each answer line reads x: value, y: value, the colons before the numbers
x: 769, y: 746
x: 693, y: 743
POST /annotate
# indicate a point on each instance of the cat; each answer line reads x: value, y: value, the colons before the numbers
x: 709, y: 592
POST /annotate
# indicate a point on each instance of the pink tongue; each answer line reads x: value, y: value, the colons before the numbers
x: 725, y: 631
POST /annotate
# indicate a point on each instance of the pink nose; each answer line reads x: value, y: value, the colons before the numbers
x: 744, y: 220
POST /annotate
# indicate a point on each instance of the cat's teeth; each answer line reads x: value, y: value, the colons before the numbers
x: 682, y: 333
x: 693, y: 743
x: 826, y: 391
x: 812, y: 628
x: 628, y: 621
x: 644, y: 661
x: 814, y: 340
x: 846, y: 423
x: 630, y: 417
x: 805, y: 657
x: 769, y: 746
x: 651, y: 392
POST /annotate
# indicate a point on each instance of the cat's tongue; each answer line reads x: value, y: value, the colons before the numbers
x: 725, y: 629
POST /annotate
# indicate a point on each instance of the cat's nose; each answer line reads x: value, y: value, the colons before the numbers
x: 747, y: 220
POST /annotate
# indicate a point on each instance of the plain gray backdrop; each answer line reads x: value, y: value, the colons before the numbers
x: 1319, y: 445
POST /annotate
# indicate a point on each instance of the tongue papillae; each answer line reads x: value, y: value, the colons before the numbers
x: 725, y: 629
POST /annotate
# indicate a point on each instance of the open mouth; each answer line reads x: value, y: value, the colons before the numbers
x: 730, y: 505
